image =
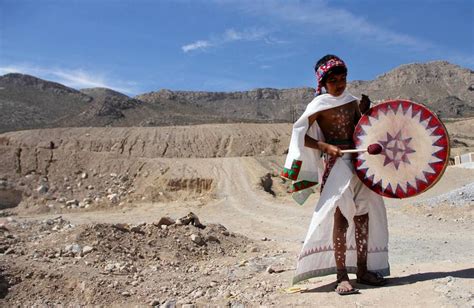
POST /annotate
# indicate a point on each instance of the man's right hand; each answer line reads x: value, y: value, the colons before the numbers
x: 331, y: 150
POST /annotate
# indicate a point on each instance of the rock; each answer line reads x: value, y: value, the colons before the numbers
x: 254, y: 249
x: 198, y: 293
x: 113, y: 198
x: 164, y: 221
x: 10, y: 250
x: 42, y: 189
x: 192, y: 219
x: 124, y: 178
x: 84, y: 175
x: 87, y: 249
x: 270, y: 270
x: 75, y: 249
x: 125, y: 293
x: 121, y: 226
x: 137, y: 229
x: 72, y: 202
x: 212, y: 238
x: 197, y: 239
x: 169, y: 304
x: 212, y: 293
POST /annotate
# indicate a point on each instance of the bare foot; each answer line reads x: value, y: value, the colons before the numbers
x: 344, y: 288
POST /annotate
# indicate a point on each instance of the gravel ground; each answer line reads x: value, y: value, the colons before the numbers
x: 458, y: 197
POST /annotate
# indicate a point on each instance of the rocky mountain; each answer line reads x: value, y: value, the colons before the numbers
x: 28, y: 102
x: 258, y: 105
x: 446, y: 88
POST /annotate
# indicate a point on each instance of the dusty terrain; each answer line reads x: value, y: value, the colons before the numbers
x: 83, y: 222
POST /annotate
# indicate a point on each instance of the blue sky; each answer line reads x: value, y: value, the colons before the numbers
x: 217, y: 45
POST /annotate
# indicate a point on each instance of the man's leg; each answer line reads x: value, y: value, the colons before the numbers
x: 361, y: 223
x: 361, y: 236
x: 339, y: 242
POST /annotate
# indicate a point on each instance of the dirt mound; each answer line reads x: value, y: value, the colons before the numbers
x: 106, y: 264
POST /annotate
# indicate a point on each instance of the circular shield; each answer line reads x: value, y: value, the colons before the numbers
x: 415, y: 149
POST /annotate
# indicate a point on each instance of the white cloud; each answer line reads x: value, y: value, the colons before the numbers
x: 317, y: 18
x: 74, y: 78
x: 252, y: 34
x: 230, y: 35
x: 320, y: 18
x: 196, y: 45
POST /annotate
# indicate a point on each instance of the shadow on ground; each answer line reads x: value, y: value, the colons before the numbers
x: 399, y: 281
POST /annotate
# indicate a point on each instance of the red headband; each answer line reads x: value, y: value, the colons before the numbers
x: 323, y: 69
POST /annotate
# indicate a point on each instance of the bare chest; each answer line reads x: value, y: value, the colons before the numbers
x: 338, y: 123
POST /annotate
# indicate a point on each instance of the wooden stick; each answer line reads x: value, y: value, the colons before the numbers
x: 354, y: 151
x: 372, y: 149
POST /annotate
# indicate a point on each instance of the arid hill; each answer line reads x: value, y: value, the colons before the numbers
x: 28, y: 102
x: 446, y: 88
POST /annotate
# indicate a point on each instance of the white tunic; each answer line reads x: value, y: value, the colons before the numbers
x: 317, y: 255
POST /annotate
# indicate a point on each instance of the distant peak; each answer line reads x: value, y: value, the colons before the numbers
x: 27, y: 79
x: 17, y: 79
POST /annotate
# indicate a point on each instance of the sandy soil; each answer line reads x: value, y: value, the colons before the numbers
x: 246, y: 255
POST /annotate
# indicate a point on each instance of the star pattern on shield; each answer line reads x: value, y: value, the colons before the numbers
x: 396, y: 149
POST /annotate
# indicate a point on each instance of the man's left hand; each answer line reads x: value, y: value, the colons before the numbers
x: 364, y: 104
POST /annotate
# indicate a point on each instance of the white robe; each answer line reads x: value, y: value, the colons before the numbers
x: 317, y: 255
